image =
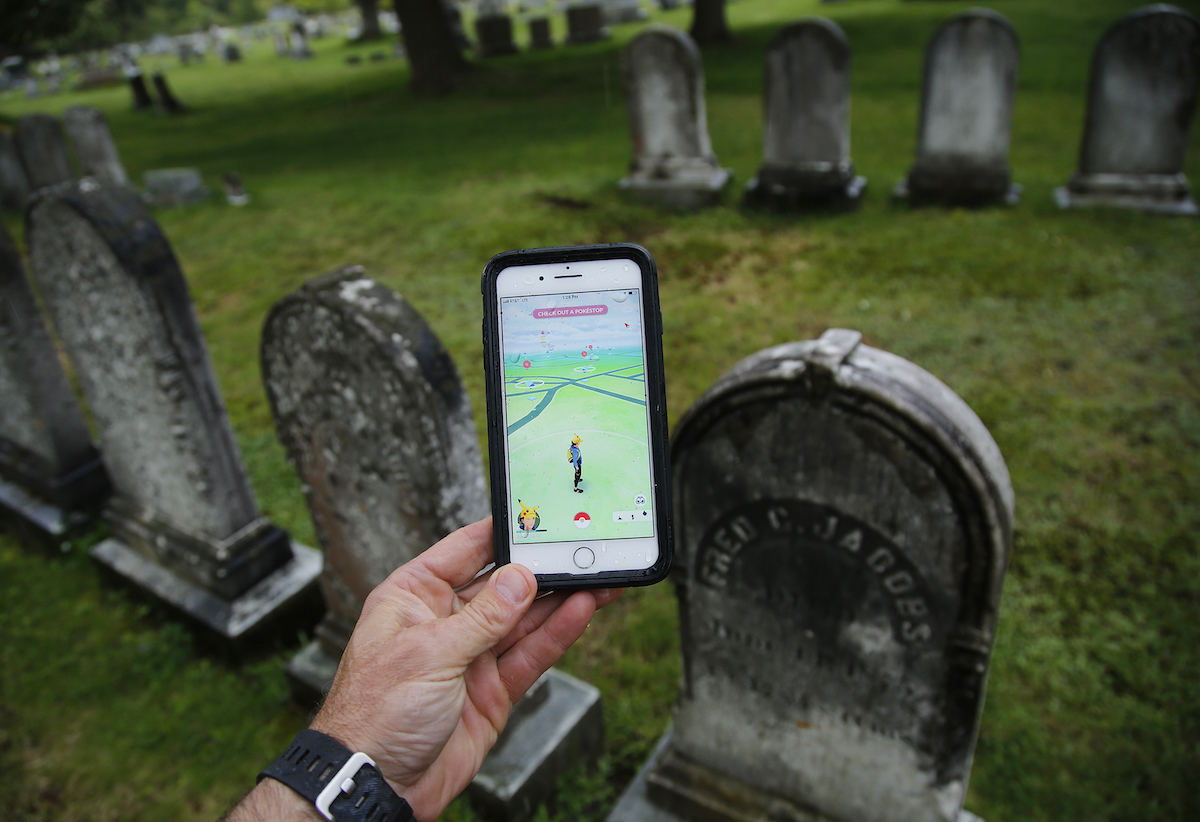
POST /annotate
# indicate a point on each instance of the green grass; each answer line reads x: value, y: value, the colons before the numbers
x: 1072, y: 334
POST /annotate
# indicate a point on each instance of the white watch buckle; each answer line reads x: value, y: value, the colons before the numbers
x: 342, y: 782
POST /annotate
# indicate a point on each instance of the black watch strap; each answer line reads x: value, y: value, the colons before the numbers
x: 345, y: 786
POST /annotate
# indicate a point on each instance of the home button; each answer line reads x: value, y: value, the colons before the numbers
x: 584, y: 557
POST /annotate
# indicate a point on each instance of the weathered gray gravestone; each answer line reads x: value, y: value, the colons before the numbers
x: 966, y: 113
x: 185, y: 527
x: 376, y: 421
x: 673, y: 161
x: 585, y: 24
x: 806, y: 140
x: 43, y: 151
x: 1141, y: 101
x: 51, y: 477
x: 93, y: 143
x: 14, y: 185
x: 845, y: 522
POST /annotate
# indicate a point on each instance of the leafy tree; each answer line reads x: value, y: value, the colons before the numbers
x: 434, y: 55
x: 26, y: 23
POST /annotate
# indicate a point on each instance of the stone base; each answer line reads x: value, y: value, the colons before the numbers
x: 283, y: 604
x: 561, y: 727
x: 37, y: 523
x: 670, y: 789
x: 688, y: 193
x: 964, y: 195
x: 798, y: 195
x: 1158, y: 193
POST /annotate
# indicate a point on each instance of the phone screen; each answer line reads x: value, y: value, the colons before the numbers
x: 576, y: 422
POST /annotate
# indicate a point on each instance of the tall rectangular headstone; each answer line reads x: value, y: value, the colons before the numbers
x: 806, y: 139
x: 845, y: 521
x: 1141, y: 102
x: 94, y: 145
x: 185, y: 526
x: 43, y: 151
x: 585, y: 23
x: 52, y: 480
x: 673, y: 161
x: 494, y: 32
x: 377, y: 423
x: 966, y: 113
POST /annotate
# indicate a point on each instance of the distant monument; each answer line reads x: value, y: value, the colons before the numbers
x: 52, y: 481
x: 806, y: 140
x: 379, y: 427
x: 493, y: 30
x: 1141, y: 102
x: 966, y: 114
x: 844, y: 521
x: 94, y: 146
x: 185, y: 526
x: 673, y: 161
x: 585, y: 23
x: 167, y: 102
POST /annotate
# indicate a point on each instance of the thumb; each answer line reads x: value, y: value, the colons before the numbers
x: 492, y: 613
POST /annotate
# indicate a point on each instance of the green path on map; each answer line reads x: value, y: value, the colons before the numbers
x: 599, y: 398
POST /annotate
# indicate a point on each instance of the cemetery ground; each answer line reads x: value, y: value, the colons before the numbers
x: 1073, y: 334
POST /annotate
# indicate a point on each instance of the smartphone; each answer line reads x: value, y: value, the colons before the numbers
x: 577, y: 415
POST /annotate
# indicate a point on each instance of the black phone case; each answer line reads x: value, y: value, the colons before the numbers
x: 655, y: 391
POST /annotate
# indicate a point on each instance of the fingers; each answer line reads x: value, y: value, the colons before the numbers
x: 490, y: 615
x: 529, y: 657
x: 457, y: 558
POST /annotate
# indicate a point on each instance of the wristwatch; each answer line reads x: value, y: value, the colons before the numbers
x: 345, y: 786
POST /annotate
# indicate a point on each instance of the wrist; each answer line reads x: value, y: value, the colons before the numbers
x: 272, y: 801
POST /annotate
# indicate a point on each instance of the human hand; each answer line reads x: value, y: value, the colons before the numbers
x: 430, y: 675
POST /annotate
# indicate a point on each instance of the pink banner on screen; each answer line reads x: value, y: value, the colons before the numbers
x: 570, y: 311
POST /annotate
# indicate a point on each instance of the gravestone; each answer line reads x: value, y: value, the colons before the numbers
x: 673, y: 161
x: 617, y: 12
x: 174, y: 187
x: 137, y: 87
x: 52, y: 480
x: 94, y: 146
x: 167, y: 102
x: 375, y: 419
x: 539, y: 33
x: 966, y: 114
x: 43, y: 151
x: 585, y: 24
x: 493, y: 30
x: 806, y: 139
x: 1141, y: 102
x: 14, y: 185
x: 185, y: 527
x: 845, y: 522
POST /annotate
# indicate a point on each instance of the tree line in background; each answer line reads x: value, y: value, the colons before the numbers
x: 33, y: 27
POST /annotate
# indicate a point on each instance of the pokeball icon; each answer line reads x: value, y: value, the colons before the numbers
x: 582, y: 520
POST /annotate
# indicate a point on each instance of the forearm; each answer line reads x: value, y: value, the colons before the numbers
x: 272, y: 801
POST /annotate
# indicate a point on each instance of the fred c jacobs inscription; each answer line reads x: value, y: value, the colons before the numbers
x: 848, y: 603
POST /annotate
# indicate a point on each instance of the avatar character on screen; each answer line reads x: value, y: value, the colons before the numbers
x: 529, y: 518
x: 575, y: 457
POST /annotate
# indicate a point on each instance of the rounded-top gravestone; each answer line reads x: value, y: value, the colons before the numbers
x: 1141, y: 102
x: 844, y: 521
x: 969, y: 85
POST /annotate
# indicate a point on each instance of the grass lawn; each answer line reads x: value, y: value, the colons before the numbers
x: 1072, y: 334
